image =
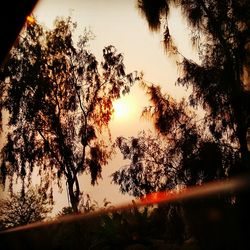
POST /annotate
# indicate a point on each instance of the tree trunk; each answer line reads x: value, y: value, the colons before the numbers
x: 74, y: 194
x: 242, y: 133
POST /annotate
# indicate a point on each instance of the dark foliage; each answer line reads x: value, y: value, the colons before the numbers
x: 189, y: 150
x: 220, y: 83
x: 169, y: 226
x: 22, y: 209
x: 59, y: 100
x: 145, y: 226
x: 183, y: 153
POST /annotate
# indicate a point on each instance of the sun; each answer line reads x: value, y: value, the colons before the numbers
x: 122, y: 109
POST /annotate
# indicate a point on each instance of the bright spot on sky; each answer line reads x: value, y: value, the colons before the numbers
x: 122, y: 109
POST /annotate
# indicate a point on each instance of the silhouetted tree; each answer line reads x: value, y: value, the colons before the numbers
x: 59, y: 102
x: 22, y: 209
x: 220, y: 32
x: 183, y: 153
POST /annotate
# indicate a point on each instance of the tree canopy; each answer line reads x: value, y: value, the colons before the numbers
x: 59, y: 102
x: 20, y: 209
x: 220, y: 83
x: 189, y: 150
x: 182, y: 153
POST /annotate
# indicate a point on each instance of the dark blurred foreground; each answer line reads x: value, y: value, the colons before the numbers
x: 13, y: 15
x: 212, y: 216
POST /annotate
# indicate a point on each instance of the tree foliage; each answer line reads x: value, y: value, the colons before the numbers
x: 220, y: 32
x: 182, y: 153
x: 59, y: 101
x: 139, y: 227
x: 189, y: 150
x: 21, y: 209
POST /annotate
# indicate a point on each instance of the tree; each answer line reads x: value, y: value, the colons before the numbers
x: 181, y: 154
x: 59, y: 102
x: 220, y: 85
x: 22, y: 209
x: 178, y: 155
x: 220, y: 32
x: 190, y: 152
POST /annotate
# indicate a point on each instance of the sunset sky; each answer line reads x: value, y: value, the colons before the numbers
x: 119, y: 23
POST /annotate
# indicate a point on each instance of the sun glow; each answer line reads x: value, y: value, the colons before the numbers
x: 122, y: 109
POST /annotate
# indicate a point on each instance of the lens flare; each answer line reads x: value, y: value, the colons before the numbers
x: 30, y: 19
